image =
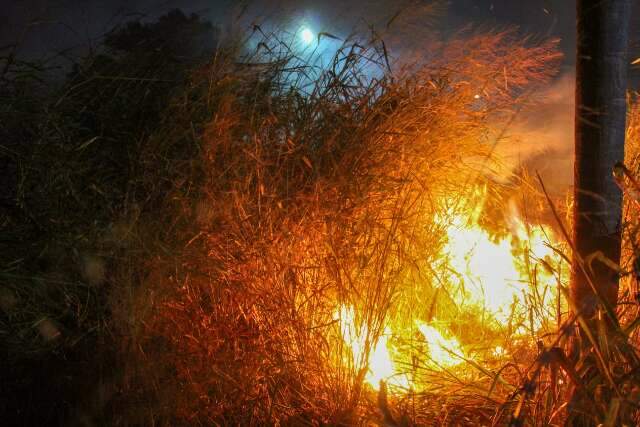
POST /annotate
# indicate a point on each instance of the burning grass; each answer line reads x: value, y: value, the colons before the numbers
x: 332, y: 239
x: 290, y: 236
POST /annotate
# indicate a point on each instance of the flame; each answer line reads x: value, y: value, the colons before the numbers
x: 380, y: 365
x: 445, y: 352
x: 497, y: 275
x: 489, y: 274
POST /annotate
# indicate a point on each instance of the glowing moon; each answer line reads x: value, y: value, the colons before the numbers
x: 306, y: 35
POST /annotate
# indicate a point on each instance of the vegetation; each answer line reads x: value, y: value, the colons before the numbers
x: 180, y: 233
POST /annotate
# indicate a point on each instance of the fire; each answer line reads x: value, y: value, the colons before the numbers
x: 496, y: 272
x: 380, y: 365
x: 487, y: 269
x: 445, y: 352
x: 494, y: 276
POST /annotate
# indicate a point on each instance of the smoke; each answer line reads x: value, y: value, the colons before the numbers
x: 540, y: 139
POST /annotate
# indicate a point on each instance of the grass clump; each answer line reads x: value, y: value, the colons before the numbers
x: 301, y: 200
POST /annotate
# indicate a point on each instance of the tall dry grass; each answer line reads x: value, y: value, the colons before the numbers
x: 301, y: 195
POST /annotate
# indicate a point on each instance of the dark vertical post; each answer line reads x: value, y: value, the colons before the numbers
x: 601, y: 84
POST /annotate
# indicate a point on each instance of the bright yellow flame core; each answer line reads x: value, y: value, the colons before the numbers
x: 496, y: 275
x: 497, y: 272
x: 446, y: 352
x: 379, y: 363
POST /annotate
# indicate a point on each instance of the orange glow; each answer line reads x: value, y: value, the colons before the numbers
x: 494, y: 276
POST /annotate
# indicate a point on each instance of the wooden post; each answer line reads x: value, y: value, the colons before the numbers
x: 600, y: 124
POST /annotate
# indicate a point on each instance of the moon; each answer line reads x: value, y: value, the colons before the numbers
x: 306, y: 35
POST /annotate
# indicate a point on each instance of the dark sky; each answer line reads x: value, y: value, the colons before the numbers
x: 67, y: 23
x: 63, y: 24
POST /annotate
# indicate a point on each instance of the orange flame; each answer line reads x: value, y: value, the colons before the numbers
x: 496, y: 274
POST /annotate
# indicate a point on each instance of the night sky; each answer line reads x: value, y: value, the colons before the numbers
x: 69, y: 23
x: 65, y: 24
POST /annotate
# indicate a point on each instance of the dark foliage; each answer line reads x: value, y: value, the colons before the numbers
x: 67, y: 155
